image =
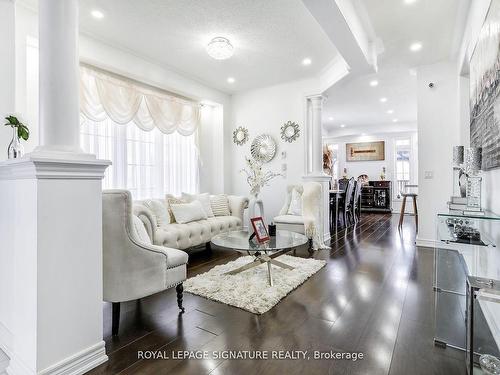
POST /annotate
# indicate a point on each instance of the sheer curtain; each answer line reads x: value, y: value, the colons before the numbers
x: 148, y: 163
x: 148, y: 134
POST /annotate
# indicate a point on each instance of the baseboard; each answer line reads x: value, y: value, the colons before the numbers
x: 425, y: 242
x: 77, y: 364
x: 6, y: 339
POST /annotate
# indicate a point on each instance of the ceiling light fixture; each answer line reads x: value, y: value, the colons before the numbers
x: 330, y: 118
x: 390, y: 111
x: 307, y: 61
x: 395, y: 120
x: 97, y: 14
x: 231, y: 80
x: 374, y: 83
x: 342, y: 125
x: 417, y: 46
x: 410, y: 1
x: 220, y: 48
x: 383, y: 100
x: 363, y: 134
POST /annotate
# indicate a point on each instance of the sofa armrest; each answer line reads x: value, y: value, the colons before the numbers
x: 147, y: 217
x: 237, y: 205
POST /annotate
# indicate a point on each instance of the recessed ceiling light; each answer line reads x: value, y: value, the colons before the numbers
x: 231, y: 80
x: 395, y: 120
x: 363, y: 134
x: 220, y: 48
x: 410, y: 1
x: 306, y: 61
x: 342, y: 125
x: 383, y: 100
x: 97, y: 14
x: 390, y: 111
x: 374, y: 83
x: 330, y: 118
x: 417, y: 46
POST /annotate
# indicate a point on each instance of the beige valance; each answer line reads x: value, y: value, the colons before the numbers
x: 104, y: 95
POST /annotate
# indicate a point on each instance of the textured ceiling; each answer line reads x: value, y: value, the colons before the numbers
x: 271, y: 37
x: 436, y: 24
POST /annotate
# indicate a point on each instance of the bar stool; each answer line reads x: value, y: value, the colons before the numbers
x: 414, y: 196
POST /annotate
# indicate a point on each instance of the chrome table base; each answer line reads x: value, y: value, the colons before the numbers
x: 260, y: 259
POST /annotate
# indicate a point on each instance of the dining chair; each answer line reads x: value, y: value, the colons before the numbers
x: 357, y: 200
x: 348, y: 198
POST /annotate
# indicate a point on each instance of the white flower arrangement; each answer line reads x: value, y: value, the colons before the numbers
x: 256, y: 177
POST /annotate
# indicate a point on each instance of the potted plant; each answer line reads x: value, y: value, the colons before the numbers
x: 19, y: 131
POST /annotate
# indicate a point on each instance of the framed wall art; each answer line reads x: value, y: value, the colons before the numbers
x: 484, y: 90
x: 365, y: 151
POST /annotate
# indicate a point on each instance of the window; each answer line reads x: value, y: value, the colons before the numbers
x: 403, y: 165
x: 149, y: 164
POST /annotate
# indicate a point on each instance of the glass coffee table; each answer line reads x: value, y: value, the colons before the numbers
x: 282, y: 243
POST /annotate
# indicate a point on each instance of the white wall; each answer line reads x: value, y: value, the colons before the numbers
x: 374, y: 168
x: 263, y: 111
x: 438, y: 131
x: 491, y: 179
x: 99, y: 54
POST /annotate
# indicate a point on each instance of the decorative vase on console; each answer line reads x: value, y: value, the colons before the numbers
x: 19, y: 131
x: 256, y: 179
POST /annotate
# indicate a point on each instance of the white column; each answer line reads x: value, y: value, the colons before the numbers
x: 7, y: 71
x: 59, y: 75
x: 7, y: 105
x: 317, y: 133
x: 314, y: 152
x: 50, y: 223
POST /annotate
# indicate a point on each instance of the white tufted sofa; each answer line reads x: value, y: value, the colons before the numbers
x: 184, y: 236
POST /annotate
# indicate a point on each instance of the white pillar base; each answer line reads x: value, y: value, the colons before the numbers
x: 51, y: 239
x: 324, y: 180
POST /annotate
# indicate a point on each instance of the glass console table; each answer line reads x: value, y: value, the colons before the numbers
x: 467, y: 285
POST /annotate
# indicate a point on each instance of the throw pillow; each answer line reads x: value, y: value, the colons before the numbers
x: 295, y: 207
x: 140, y: 231
x: 173, y: 200
x: 188, y: 212
x: 204, y: 199
x: 220, y: 205
x: 159, y: 209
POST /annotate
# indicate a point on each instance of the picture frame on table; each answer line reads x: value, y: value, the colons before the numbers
x: 259, y: 229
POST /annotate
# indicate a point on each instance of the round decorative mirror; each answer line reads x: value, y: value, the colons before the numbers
x: 240, y: 135
x: 263, y: 148
x: 290, y: 131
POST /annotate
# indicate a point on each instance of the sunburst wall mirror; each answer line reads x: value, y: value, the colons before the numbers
x: 240, y: 135
x: 290, y: 131
x: 263, y: 148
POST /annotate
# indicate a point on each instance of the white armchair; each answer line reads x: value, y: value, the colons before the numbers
x: 308, y: 220
x: 132, y: 266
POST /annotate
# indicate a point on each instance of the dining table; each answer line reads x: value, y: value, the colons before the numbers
x: 336, y: 194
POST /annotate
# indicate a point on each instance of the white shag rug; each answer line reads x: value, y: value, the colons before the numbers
x: 250, y: 290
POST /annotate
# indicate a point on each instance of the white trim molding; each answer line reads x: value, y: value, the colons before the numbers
x: 426, y: 242
x: 78, y: 364
x: 45, y: 166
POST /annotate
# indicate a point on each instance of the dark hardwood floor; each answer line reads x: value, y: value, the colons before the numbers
x: 374, y: 296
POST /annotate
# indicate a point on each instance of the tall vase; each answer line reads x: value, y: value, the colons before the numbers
x: 16, y: 149
x: 254, y: 204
